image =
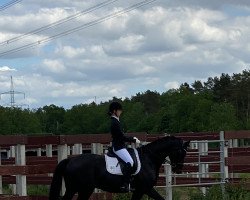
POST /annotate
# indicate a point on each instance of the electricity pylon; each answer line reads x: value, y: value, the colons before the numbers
x: 12, y: 94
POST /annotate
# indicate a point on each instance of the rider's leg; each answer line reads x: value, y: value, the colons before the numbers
x: 125, y: 156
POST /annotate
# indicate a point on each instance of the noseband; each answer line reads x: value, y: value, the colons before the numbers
x: 174, y: 164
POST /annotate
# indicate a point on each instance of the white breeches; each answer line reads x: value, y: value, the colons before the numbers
x: 124, y: 155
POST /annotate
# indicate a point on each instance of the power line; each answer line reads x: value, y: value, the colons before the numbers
x: 84, y: 26
x: 59, y: 22
x: 9, y: 4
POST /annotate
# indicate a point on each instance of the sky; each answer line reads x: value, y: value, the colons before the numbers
x: 154, y: 47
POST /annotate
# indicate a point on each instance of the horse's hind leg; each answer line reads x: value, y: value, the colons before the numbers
x: 137, y: 195
x: 85, y: 194
x: 154, y: 195
x: 70, y: 192
x: 68, y: 195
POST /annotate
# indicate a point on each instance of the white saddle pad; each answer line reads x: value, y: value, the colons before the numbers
x: 113, y: 167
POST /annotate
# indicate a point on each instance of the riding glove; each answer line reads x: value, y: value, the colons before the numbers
x: 137, y: 141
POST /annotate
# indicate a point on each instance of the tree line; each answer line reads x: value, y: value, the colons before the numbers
x: 220, y: 103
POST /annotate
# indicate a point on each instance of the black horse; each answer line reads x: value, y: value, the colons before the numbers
x: 84, y: 173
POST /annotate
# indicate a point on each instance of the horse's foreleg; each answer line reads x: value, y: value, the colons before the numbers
x: 155, y: 195
x: 137, y: 195
x: 85, y: 194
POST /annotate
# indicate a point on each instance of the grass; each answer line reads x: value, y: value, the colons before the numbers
x: 177, y: 195
x: 213, y: 193
x: 32, y: 190
x: 6, y: 189
x: 38, y: 190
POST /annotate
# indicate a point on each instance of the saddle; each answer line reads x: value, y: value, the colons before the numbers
x: 115, y: 165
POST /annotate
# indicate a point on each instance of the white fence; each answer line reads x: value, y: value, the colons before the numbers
x: 202, y: 147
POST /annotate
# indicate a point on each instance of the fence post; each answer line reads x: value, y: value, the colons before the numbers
x: 233, y: 143
x: 8, y: 154
x: 194, y: 145
x: 49, y: 150
x: 12, y: 152
x: 168, y: 173
x: 39, y: 152
x: 1, y: 183
x: 77, y: 149
x: 49, y: 154
x: 69, y: 150
x: 21, y: 187
x: 62, y: 154
x: 223, y: 167
x: 97, y: 148
x: 202, y: 147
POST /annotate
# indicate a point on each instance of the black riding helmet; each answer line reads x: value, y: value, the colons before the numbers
x: 114, y: 106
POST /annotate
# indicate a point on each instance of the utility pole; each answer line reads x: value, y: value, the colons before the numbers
x: 12, y: 94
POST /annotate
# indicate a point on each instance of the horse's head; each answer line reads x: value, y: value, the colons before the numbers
x: 169, y: 146
x: 177, y: 157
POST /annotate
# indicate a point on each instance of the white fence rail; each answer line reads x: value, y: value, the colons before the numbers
x: 202, y: 147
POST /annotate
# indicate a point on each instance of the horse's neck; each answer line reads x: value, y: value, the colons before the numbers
x: 157, y: 151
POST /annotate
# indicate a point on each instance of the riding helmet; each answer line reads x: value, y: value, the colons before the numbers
x: 114, y: 106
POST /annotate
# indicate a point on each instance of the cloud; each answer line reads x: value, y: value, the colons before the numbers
x: 171, y: 85
x: 40, y: 89
x: 212, y: 4
x: 70, y: 52
x: 155, y: 47
x: 125, y: 45
x: 54, y: 66
x: 6, y: 69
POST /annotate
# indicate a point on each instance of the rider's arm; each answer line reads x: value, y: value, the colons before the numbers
x: 128, y: 139
x: 116, y: 129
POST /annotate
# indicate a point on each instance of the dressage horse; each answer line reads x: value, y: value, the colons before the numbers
x: 83, y: 173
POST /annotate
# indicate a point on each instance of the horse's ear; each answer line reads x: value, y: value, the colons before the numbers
x: 186, y: 145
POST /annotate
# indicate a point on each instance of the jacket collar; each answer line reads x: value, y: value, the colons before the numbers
x: 115, y: 117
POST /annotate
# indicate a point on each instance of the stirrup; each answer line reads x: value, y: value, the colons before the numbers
x: 126, y: 189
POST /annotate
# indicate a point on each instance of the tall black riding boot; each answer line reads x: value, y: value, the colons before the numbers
x: 127, y: 177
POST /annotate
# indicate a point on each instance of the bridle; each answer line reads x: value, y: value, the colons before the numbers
x: 166, y: 160
x: 175, y: 164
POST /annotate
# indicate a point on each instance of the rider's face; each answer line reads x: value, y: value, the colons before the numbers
x: 118, y: 113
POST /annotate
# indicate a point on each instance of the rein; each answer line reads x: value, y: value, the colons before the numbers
x: 156, y: 156
x: 159, y: 158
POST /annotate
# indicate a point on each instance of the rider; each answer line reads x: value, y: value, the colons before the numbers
x: 118, y: 142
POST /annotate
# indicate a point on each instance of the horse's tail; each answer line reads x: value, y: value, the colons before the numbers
x: 56, y: 183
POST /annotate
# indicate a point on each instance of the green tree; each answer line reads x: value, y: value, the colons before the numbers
x: 5, y: 121
x: 150, y: 101
x: 223, y: 117
x: 133, y: 115
x: 198, y: 87
x: 51, y: 118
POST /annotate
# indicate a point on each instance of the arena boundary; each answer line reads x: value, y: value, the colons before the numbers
x: 19, y: 168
